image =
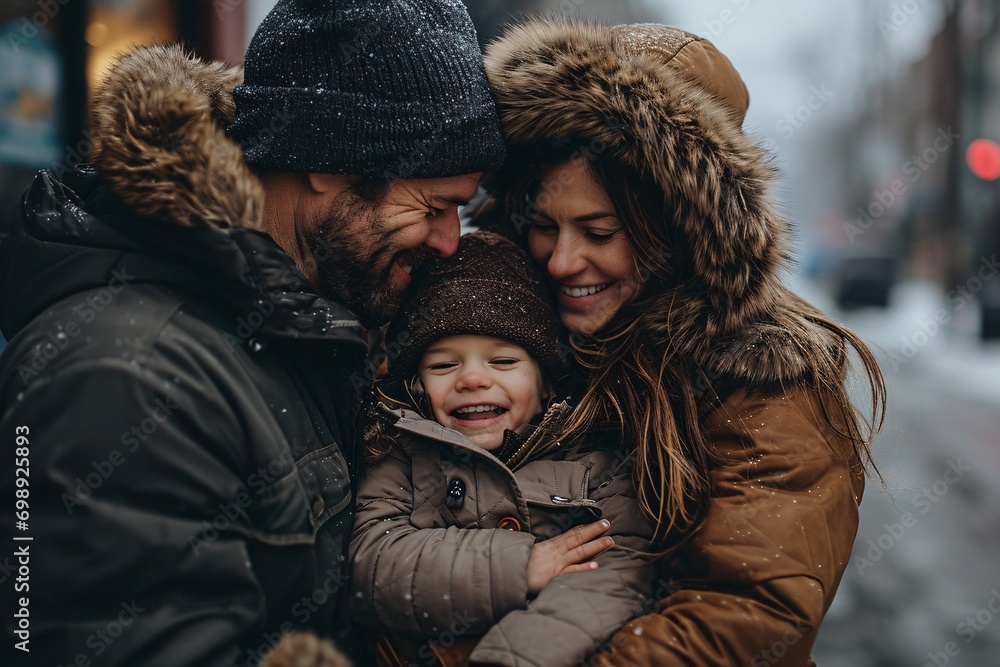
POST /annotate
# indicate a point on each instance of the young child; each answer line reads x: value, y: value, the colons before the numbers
x: 475, y: 521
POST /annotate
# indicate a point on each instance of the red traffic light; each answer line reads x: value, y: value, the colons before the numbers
x: 983, y: 158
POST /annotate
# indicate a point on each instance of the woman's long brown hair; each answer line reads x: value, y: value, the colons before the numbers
x: 638, y: 386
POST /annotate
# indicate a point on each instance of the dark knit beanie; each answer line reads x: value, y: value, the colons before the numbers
x: 384, y: 88
x: 490, y: 287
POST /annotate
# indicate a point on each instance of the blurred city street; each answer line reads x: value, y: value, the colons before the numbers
x: 923, y: 585
x: 883, y: 121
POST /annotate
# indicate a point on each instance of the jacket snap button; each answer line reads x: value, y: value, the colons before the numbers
x: 509, y: 523
x: 318, y: 505
x: 455, y: 497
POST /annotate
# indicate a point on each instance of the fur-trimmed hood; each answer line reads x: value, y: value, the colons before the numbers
x: 158, y: 126
x: 667, y: 104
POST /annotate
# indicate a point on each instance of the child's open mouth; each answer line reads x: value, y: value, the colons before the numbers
x: 478, y: 412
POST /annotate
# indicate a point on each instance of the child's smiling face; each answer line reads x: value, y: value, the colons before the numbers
x: 480, y: 386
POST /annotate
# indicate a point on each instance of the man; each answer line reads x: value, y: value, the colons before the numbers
x: 186, y: 362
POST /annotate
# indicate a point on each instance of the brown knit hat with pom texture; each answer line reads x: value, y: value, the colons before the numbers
x: 490, y: 287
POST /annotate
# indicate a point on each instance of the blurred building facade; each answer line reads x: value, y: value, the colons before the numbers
x: 51, y: 56
x: 913, y: 206
x: 53, y: 52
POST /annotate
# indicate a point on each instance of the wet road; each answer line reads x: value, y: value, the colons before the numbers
x: 923, y: 585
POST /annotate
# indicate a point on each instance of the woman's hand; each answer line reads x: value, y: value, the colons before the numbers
x: 567, y: 553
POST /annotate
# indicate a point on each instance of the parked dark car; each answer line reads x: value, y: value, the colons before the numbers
x: 863, y: 281
x: 989, y: 304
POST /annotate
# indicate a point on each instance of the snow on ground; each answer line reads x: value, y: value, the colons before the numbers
x: 925, y: 331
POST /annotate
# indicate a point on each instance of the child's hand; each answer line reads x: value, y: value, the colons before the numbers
x: 566, y: 553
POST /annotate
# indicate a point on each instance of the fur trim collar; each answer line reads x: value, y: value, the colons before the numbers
x: 570, y: 79
x: 158, y: 123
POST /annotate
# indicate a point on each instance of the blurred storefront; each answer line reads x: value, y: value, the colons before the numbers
x: 52, y: 54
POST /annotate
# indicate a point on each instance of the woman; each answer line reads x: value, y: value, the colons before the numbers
x: 631, y: 182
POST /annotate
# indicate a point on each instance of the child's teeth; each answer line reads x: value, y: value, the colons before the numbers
x: 477, y: 408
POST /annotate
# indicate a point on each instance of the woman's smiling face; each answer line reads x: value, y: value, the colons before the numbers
x: 577, y: 238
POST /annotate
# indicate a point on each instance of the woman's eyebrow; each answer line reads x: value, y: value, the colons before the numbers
x: 588, y: 217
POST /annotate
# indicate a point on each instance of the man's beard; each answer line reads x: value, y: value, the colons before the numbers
x: 354, y: 258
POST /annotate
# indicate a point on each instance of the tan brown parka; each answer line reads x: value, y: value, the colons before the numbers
x: 760, y: 571
x: 444, y: 530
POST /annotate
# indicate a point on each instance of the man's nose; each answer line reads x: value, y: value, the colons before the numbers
x: 443, y: 237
